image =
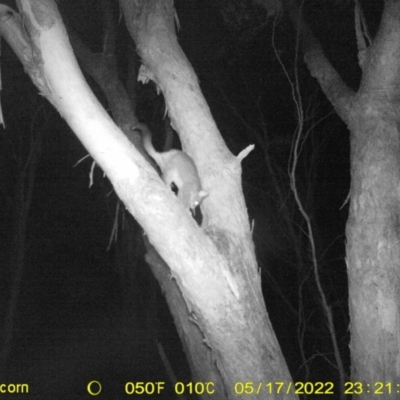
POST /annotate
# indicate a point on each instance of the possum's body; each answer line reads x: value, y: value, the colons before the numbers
x: 177, y: 168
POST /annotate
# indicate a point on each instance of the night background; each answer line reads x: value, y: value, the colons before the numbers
x: 87, y: 304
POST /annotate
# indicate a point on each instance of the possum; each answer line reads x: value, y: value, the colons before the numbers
x: 177, y: 169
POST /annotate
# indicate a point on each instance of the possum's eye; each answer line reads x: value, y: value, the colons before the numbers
x: 174, y: 188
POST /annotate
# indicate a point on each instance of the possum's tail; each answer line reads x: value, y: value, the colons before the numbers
x: 147, y: 142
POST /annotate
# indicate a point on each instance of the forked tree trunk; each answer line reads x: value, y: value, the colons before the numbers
x: 373, y: 228
x: 213, y: 271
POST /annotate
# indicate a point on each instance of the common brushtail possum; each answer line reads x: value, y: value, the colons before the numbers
x: 177, y: 168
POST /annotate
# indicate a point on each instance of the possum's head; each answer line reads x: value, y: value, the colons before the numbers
x: 192, y: 195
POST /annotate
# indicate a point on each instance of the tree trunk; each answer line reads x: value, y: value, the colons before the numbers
x: 213, y: 267
x: 373, y: 242
x: 373, y: 234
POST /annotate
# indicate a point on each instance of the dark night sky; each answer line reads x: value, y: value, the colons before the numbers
x: 72, y: 315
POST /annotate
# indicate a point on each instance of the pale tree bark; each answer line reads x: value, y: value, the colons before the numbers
x: 213, y: 267
x: 373, y: 234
